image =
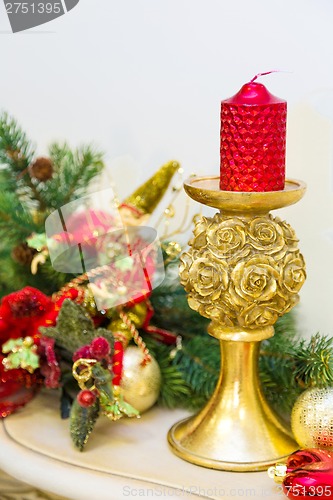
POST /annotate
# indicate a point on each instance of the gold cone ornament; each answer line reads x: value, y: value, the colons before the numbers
x: 145, y: 199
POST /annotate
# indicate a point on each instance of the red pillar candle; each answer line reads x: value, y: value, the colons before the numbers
x: 253, y: 140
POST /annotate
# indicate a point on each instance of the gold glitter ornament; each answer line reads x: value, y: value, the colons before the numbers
x: 137, y: 314
x: 140, y: 383
x: 120, y: 331
x: 148, y: 195
x: 312, y: 419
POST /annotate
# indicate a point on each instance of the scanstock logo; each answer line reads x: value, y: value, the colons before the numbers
x: 25, y: 15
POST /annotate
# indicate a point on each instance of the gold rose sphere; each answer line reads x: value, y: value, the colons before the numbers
x: 140, y: 383
x: 312, y: 419
x: 242, y: 270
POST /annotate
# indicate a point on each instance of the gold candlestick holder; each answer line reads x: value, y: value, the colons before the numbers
x: 243, y: 271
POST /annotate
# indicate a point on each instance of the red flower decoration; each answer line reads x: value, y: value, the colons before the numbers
x: 23, y: 312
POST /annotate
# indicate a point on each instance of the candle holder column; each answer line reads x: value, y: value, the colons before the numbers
x: 243, y: 271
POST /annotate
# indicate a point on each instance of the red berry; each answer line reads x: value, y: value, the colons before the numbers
x: 99, y: 348
x: 86, y: 398
x: 82, y: 352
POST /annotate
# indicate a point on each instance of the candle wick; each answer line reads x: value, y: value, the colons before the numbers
x: 266, y: 73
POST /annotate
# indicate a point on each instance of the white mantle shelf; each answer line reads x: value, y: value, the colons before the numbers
x: 125, y: 459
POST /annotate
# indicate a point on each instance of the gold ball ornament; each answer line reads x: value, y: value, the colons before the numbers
x: 140, y: 383
x: 312, y: 419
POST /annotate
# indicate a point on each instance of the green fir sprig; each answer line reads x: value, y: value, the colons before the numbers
x: 73, y: 172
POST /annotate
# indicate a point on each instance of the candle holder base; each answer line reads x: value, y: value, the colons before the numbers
x: 237, y: 430
x: 180, y: 435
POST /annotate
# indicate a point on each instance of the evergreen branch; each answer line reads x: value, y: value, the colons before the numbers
x: 16, y: 221
x: 73, y: 171
x: 10, y: 279
x: 87, y: 164
x: 199, y: 362
x: 52, y: 280
x: 314, y: 361
x: 16, y: 151
x: 174, y: 390
x: 34, y: 192
x: 173, y: 312
x: 16, y: 154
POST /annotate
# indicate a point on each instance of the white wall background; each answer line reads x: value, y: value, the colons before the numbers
x: 143, y: 79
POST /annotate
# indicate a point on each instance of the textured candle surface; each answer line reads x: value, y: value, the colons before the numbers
x: 253, y: 140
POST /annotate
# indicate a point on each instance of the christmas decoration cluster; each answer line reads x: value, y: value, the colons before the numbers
x: 119, y: 360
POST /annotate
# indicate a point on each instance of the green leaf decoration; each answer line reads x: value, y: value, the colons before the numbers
x: 66, y: 402
x: 37, y: 241
x: 75, y: 328
x: 82, y: 422
x: 118, y: 409
x: 103, y: 381
x: 112, y: 405
x: 21, y: 354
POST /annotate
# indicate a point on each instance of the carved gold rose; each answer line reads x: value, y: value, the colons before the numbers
x: 222, y: 312
x: 199, y: 240
x: 289, y: 235
x: 208, y: 277
x: 259, y: 315
x: 267, y: 235
x: 185, y: 263
x: 227, y: 238
x: 254, y: 279
x: 293, y: 273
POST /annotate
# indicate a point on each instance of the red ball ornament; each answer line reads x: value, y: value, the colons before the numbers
x: 306, y: 474
x: 86, y: 398
x: 99, y: 348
